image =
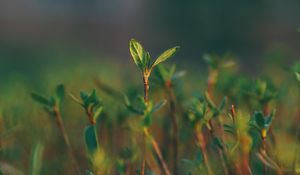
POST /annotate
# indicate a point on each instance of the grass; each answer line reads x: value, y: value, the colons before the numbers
x: 153, y: 120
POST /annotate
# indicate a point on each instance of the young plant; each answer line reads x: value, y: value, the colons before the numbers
x: 263, y: 124
x: 204, y: 111
x: 93, y: 107
x: 53, y: 106
x: 143, y: 61
x: 240, y: 150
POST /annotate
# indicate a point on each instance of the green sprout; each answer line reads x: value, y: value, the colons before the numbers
x: 53, y: 106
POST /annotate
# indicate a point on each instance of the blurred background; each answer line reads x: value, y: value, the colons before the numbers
x: 37, y: 34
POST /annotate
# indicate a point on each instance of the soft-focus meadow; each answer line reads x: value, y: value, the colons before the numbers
x: 95, y: 118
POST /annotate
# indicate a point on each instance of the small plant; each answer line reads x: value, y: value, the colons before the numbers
x: 143, y: 61
x: 93, y: 107
x: 53, y: 106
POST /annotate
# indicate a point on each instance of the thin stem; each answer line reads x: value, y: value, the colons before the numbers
x: 61, y: 126
x: 157, y: 151
x: 146, y: 88
x: 146, y: 100
x: 172, y: 100
x: 202, y: 145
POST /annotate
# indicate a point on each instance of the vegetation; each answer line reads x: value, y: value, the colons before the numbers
x: 171, y: 122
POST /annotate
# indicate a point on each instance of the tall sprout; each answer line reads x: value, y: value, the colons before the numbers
x: 143, y: 61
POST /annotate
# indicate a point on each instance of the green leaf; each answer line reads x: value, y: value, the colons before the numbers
x: 84, y: 96
x: 165, y: 55
x: 97, y: 112
x: 75, y: 99
x: 41, y: 99
x: 60, y: 92
x: 137, y: 53
x: 147, y: 120
x: 36, y: 160
x: 91, y: 140
x: 259, y: 119
x: 158, y: 106
x: 87, y: 172
x: 222, y: 104
x: 218, y: 142
x: 297, y: 76
x: 209, y: 101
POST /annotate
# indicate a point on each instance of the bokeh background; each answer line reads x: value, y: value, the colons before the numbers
x: 37, y: 34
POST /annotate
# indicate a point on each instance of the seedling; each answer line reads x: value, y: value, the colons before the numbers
x: 53, y: 106
x: 92, y: 105
x: 143, y: 61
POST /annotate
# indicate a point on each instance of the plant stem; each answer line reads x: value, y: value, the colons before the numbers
x: 172, y: 100
x: 146, y: 100
x: 146, y: 88
x: 61, y: 126
x: 157, y: 151
x: 146, y: 132
x: 202, y: 145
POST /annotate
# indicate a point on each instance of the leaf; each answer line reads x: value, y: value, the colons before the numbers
x: 259, y: 119
x: 41, y: 99
x: 222, y: 104
x: 165, y: 55
x: 87, y: 172
x: 97, y: 113
x: 91, y: 140
x: 137, y: 53
x: 178, y: 75
x: 36, y: 161
x: 147, y: 120
x: 199, y: 157
x: 75, y: 99
x: 210, y: 103
x: 84, y: 96
x: 60, y: 92
x: 158, y: 106
x: 269, y: 119
x: 218, y: 142
x: 297, y: 76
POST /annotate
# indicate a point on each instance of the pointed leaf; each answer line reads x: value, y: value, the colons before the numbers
x: 210, y: 103
x: 259, y: 119
x: 60, y: 92
x: 158, y: 106
x: 36, y: 160
x: 297, y: 76
x: 137, y: 53
x: 222, y: 104
x: 75, y: 99
x: 97, y: 113
x: 41, y: 99
x: 147, y: 120
x: 165, y: 55
x: 91, y: 140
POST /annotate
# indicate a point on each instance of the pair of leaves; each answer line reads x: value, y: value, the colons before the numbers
x: 90, y: 102
x: 52, y: 102
x: 143, y: 59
